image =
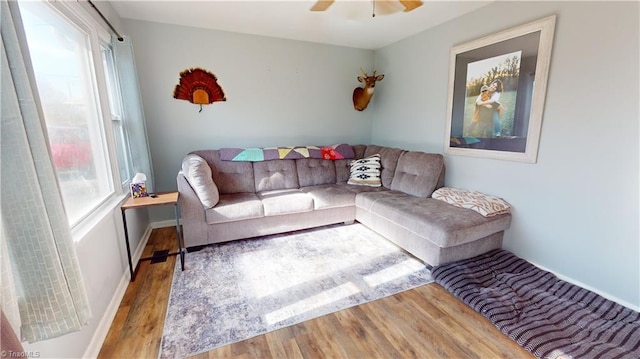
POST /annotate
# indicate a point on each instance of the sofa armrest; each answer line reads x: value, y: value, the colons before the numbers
x: 194, y: 224
x: 198, y: 174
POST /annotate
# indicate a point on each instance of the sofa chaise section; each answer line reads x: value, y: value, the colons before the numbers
x: 432, y: 230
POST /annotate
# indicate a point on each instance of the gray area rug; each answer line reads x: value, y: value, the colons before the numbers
x: 237, y: 290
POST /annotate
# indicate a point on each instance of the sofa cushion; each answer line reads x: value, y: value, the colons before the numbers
x: 313, y: 171
x: 235, y: 207
x: 285, y: 201
x: 359, y: 189
x: 358, y: 151
x: 418, y: 173
x: 230, y: 177
x: 367, y: 201
x: 443, y: 224
x: 275, y: 174
x: 366, y: 171
x: 343, y: 167
x: 330, y: 196
x: 388, y: 161
x: 343, y: 170
x: 198, y: 174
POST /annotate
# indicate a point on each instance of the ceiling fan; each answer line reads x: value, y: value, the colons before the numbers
x: 322, y: 5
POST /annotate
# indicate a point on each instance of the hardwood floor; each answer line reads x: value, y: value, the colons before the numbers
x: 426, y: 322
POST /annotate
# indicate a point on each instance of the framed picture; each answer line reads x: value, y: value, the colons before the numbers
x: 497, y: 87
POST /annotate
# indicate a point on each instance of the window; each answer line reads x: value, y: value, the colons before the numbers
x: 125, y: 163
x: 62, y: 51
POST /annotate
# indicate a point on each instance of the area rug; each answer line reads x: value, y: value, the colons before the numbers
x: 237, y: 290
x: 547, y: 316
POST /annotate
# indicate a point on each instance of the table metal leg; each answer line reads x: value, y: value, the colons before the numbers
x: 179, y: 234
x: 126, y: 238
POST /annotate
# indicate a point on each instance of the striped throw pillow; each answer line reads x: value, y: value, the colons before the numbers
x: 366, y: 172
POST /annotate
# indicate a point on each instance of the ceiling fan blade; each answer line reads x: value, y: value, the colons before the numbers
x: 410, y: 5
x: 321, y: 5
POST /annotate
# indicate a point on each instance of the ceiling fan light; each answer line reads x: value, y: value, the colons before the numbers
x: 322, y: 5
x: 410, y: 5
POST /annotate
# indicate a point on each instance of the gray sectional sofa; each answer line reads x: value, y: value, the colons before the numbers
x: 226, y: 200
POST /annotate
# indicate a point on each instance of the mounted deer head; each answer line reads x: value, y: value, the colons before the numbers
x: 362, y: 95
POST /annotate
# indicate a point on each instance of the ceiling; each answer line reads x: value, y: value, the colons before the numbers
x: 345, y: 23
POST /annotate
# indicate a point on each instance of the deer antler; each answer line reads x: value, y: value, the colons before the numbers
x: 364, y: 72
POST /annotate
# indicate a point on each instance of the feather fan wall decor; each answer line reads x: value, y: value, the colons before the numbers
x: 199, y: 87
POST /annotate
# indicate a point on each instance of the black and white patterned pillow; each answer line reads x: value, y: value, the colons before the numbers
x: 366, y: 171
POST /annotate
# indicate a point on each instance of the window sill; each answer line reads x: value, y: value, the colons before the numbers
x: 82, y: 229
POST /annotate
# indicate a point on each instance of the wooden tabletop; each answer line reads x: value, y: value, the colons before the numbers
x: 157, y: 200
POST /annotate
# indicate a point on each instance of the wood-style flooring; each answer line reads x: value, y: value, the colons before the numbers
x: 426, y: 322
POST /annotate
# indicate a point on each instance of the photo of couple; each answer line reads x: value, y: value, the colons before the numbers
x: 497, y: 86
x: 491, y: 92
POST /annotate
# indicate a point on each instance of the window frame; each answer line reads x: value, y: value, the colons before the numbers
x: 118, y: 117
x: 98, y: 37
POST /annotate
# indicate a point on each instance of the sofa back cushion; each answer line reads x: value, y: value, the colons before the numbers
x: 343, y: 170
x: 419, y: 173
x: 275, y: 174
x: 358, y: 151
x: 389, y: 160
x: 343, y: 167
x: 314, y: 171
x: 229, y: 176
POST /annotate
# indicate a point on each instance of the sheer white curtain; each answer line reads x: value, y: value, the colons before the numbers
x: 132, y: 107
x: 37, y: 243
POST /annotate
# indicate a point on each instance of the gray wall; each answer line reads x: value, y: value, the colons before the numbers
x: 279, y: 92
x: 576, y: 210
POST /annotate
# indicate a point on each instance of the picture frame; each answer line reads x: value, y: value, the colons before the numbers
x: 496, y: 94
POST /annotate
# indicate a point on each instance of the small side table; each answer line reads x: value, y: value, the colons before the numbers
x: 158, y: 199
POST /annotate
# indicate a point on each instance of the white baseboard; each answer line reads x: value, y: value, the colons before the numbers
x: 585, y: 286
x: 165, y: 223
x: 107, y: 319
